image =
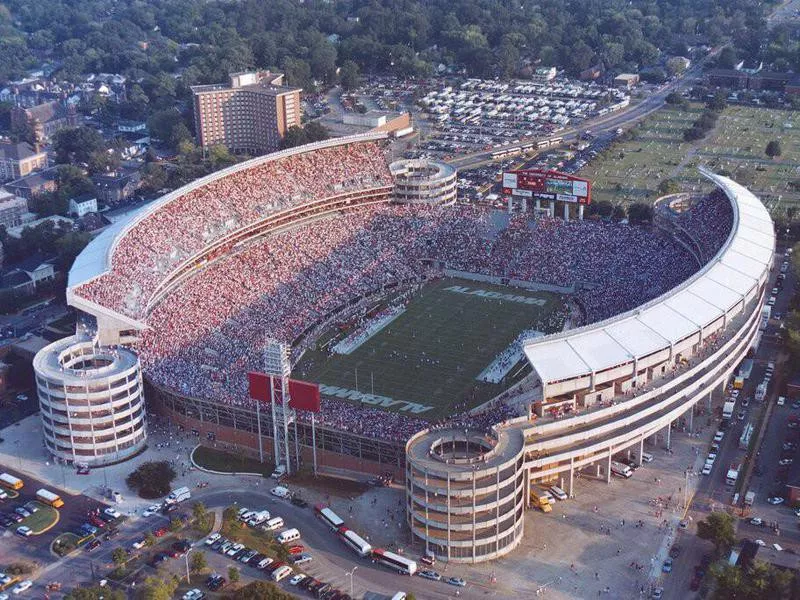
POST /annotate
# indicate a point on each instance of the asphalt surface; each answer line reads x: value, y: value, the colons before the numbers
x: 712, y: 491
x: 620, y: 119
x: 331, y: 559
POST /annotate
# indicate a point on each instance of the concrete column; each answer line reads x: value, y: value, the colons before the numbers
x: 510, y: 202
x: 571, y: 477
x: 597, y: 466
x: 580, y: 212
x: 608, y: 467
x: 524, y: 204
x: 538, y: 204
x: 552, y: 209
x: 566, y: 211
x: 641, y: 451
x: 669, y: 433
x: 691, y: 419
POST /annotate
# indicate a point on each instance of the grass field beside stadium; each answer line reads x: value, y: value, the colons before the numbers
x: 432, y: 353
x: 735, y: 146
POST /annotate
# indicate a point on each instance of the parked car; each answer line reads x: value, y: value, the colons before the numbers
x: 667, y: 566
x: 458, y: 581
x: 24, y: 531
x: 775, y: 500
x: 428, y: 574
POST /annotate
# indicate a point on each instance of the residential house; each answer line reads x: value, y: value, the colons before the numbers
x: 114, y: 188
x: 83, y: 205
x: 45, y: 119
x: 19, y: 160
x: 34, y: 184
x: 12, y: 209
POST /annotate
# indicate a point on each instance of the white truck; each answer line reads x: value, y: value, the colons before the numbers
x: 761, y: 391
x: 727, y: 409
x: 766, y: 314
x: 733, y: 474
x: 749, y: 498
x: 178, y: 495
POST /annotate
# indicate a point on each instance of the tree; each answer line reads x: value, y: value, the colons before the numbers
x: 676, y: 65
x: 119, y: 556
x: 727, y: 58
x: 95, y: 593
x: 349, y: 75
x: 151, y: 479
x: 639, y: 213
x: 161, y: 124
x: 233, y: 575
x: 149, y: 539
x: 201, y: 516
x: 773, y: 148
x: 77, y: 145
x: 718, y: 529
x: 668, y: 186
x: 260, y: 590
x: 718, y: 102
x: 297, y: 136
x: 198, y: 562
x: 157, y: 588
x: 757, y: 581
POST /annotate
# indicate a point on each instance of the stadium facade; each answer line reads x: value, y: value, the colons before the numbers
x: 636, y: 373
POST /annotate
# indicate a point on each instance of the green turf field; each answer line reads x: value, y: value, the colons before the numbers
x: 432, y: 353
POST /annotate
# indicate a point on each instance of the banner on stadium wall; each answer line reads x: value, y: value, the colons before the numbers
x: 303, y: 395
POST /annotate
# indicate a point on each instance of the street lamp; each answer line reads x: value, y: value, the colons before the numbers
x: 350, y: 575
x: 186, y: 556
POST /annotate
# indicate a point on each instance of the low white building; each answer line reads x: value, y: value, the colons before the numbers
x: 83, y: 205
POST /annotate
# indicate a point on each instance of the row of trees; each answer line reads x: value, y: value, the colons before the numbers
x: 637, y: 213
x: 310, y: 41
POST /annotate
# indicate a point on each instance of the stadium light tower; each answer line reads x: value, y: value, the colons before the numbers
x: 277, y: 364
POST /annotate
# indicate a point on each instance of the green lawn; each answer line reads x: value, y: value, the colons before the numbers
x: 216, y: 460
x: 433, y: 352
x: 632, y: 170
x: 42, y: 519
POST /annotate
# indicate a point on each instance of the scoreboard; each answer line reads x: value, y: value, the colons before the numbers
x: 547, y: 185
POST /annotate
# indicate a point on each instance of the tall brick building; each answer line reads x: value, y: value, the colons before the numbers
x: 250, y: 114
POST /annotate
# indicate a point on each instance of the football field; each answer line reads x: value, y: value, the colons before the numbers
x: 431, y: 354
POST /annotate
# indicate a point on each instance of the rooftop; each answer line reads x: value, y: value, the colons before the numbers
x: 666, y: 320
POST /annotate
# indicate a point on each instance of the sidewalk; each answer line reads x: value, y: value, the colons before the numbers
x: 23, y: 451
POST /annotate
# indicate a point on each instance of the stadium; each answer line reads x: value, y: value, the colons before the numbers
x: 470, y: 352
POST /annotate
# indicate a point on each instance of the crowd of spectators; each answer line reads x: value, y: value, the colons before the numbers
x: 205, y: 335
x: 708, y: 222
x: 181, y: 228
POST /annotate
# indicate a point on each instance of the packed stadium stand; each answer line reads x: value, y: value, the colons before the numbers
x: 284, y: 245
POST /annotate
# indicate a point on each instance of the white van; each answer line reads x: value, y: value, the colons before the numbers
x: 273, y: 524
x: 399, y: 596
x: 558, y: 492
x: 281, y: 572
x: 290, y: 535
x: 647, y: 457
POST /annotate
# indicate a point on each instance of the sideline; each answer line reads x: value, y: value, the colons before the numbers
x: 204, y: 470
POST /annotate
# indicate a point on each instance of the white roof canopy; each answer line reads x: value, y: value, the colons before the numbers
x: 717, y: 288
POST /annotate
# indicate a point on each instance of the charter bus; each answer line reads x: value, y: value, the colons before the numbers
x: 11, y: 482
x: 399, y: 563
x: 50, y: 498
x: 355, y: 541
x: 330, y: 518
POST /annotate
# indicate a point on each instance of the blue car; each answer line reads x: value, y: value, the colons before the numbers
x: 667, y: 568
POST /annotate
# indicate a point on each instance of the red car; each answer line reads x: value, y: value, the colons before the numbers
x: 160, y: 532
x: 298, y: 549
x: 97, y: 521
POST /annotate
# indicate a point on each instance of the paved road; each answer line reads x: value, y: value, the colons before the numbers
x: 331, y: 558
x: 712, y: 490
